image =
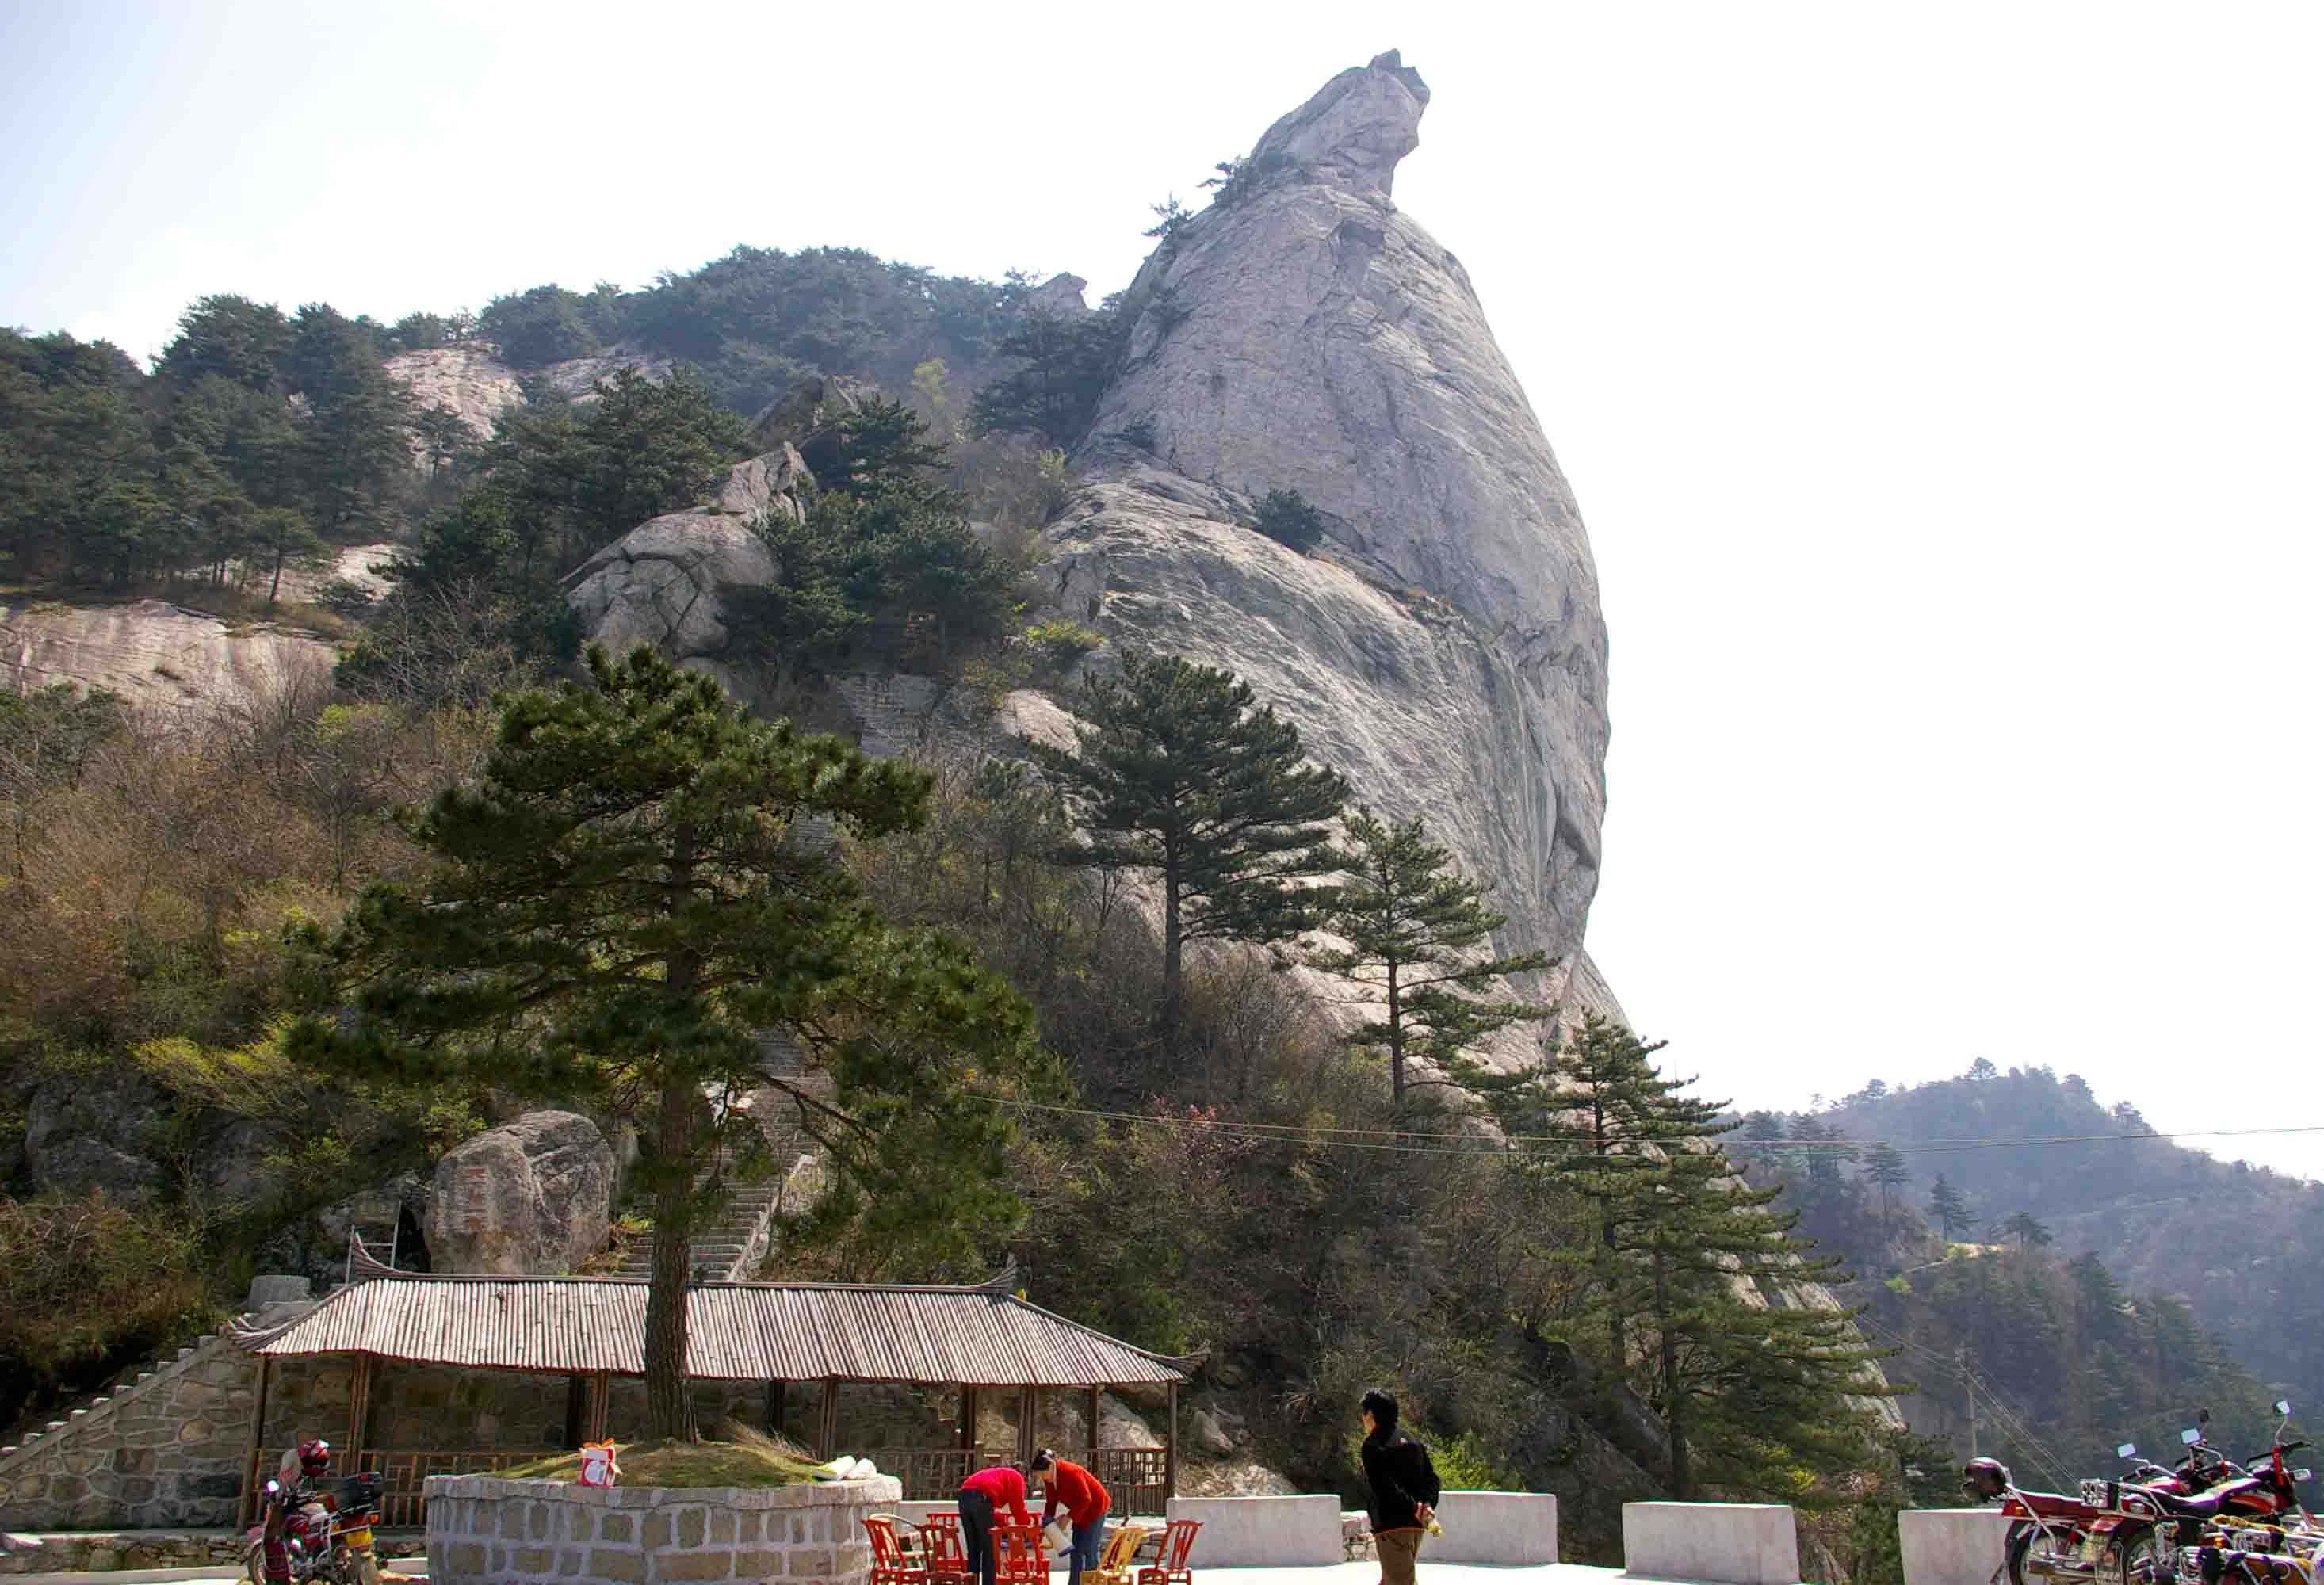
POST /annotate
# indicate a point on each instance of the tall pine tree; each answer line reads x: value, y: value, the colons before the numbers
x: 1414, y: 928
x: 618, y: 908
x: 1177, y: 771
x: 1950, y: 1207
x: 1689, y: 1262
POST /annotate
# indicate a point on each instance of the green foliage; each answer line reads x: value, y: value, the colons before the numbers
x: 1417, y: 944
x: 1285, y: 518
x: 1949, y: 1207
x: 619, y: 907
x: 86, y: 1288
x: 1059, y: 641
x: 1755, y: 1399
x: 547, y: 325
x: 1065, y: 365
x: 1168, y: 215
x: 883, y: 560
x: 1177, y: 771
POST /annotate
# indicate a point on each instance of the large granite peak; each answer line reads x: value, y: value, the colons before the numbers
x: 1445, y: 646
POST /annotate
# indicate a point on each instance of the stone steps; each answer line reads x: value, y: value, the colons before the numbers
x: 123, y: 1388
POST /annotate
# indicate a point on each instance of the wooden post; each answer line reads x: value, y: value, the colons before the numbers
x: 826, y: 1438
x: 576, y: 1408
x: 967, y: 1419
x: 1028, y: 1406
x: 252, y: 1477
x: 1170, y: 1450
x: 597, y: 1405
x: 350, y: 1460
x: 778, y: 1404
x: 1090, y: 1413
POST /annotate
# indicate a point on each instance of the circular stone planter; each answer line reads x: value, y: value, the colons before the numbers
x: 486, y: 1531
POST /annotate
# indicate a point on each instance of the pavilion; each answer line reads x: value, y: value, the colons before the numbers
x: 590, y: 1332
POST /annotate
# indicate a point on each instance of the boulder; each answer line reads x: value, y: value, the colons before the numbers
x: 811, y: 408
x: 1059, y: 296
x: 532, y: 1197
x: 659, y: 582
x: 469, y: 379
x: 81, y: 1139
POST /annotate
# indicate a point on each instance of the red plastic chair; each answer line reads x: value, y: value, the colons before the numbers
x: 1018, y: 1557
x: 1170, y: 1566
x: 889, y: 1564
x: 946, y: 1551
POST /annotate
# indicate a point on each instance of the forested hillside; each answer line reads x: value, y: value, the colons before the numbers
x: 2076, y: 1294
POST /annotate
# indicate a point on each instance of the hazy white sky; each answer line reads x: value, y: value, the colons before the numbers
x: 1939, y: 384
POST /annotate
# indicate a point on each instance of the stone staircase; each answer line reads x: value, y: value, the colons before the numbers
x: 731, y: 1251
x: 99, y: 1405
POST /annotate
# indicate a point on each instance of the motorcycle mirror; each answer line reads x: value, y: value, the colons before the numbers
x: 2128, y: 1450
x: 2283, y: 1407
x: 2191, y: 1435
x: 2299, y: 1474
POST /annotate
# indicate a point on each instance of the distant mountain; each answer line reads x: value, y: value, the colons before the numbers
x: 2241, y: 1248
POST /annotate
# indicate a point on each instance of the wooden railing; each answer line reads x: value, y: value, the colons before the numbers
x: 404, y: 1475
x: 1136, y: 1477
x: 929, y: 1474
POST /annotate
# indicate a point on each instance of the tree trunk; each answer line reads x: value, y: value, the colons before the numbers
x: 1395, y: 1039
x: 1174, y: 942
x: 1673, y: 1394
x: 669, y: 1406
x: 275, y: 588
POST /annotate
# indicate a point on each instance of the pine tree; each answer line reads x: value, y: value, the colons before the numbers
x: 2029, y: 1232
x: 1413, y: 928
x: 1592, y: 1119
x: 1750, y: 1393
x: 617, y: 909
x: 1174, y: 771
x: 1950, y: 1207
x: 1885, y: 1164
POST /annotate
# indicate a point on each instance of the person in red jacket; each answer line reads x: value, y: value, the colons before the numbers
x: 981, y: 1496
x: 1085, y: 1501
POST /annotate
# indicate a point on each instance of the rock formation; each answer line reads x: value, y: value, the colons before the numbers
x: 470, y: 380
x: 1444, y: 647
x: 150, y: 652
x: 660, y: 583
x: 533, y: 1197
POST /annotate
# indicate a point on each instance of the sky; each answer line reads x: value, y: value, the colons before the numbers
x: 1939, y: 384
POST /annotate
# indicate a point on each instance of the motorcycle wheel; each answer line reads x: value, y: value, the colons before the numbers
x: 2025, y: 1537
x: 2143, y: 1559
x: 254, y: 1564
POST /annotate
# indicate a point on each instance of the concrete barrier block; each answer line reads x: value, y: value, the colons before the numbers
x: 1950, y: 1546
x: 1716, y: 1543
x: 1262, y: 1532
x: 1495, y: 1527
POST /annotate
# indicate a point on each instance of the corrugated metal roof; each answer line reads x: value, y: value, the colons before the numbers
x: 981, y: 1336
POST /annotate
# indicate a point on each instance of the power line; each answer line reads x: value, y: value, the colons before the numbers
x: 1444, y: 1143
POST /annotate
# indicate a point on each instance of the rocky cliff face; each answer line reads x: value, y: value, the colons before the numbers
x: 1444, y: 647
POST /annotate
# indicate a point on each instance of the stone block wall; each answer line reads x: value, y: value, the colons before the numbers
x: 485, y: 1531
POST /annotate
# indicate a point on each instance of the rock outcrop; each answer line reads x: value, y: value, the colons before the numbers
x: 469, y: 379
x: 1445, y: 646
x: 150, y: 652
x: 531, y: 1198
x: 660, y: 583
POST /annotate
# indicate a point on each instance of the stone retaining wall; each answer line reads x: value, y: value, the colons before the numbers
x: 1950, y: 1546
x: 1715, y: 1542
x: 486, y: 1531
x: 140, y: 1549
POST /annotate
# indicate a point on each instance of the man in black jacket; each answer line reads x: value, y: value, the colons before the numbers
x: 1405, y: 1490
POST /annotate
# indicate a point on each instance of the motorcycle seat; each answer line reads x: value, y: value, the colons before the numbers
x: 2204, y: 1505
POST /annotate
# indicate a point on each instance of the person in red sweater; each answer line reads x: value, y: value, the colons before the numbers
x: 1085, y: 1501
x: 981, y: 1496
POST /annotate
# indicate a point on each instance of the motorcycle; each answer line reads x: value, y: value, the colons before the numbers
x: 2133, y: 1530
x: 329, y: 1539
x: 2211, y: 1493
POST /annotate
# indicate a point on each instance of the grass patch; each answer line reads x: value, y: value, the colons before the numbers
x: 750, y: 1459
